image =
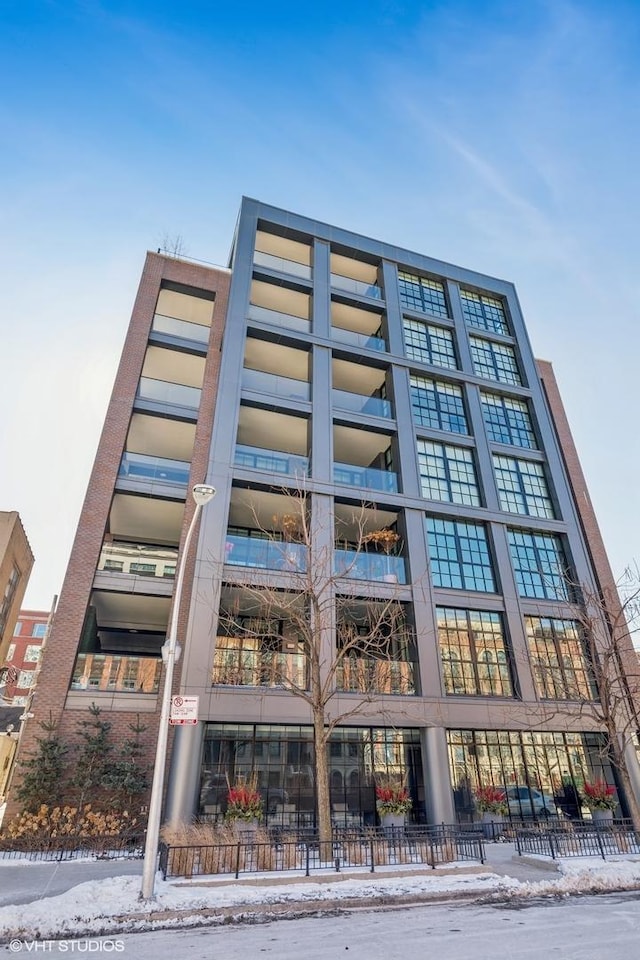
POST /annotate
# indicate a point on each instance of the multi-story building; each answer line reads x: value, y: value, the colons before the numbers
x: 23, y: 655
x: 16, y: 562
x: 374, y: 416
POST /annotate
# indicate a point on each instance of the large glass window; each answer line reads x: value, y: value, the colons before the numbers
x: 459, y: 555
x: 447, y: 473
x: 429, y: 344
x: 474, y: 653
x: 507, y: 420
x: 438, y: 405
x: 281, y: 757
x: 542, y: 773
x: 420, y: 293
x: 539, y: 565
x: 494, y: 361
x: 484, y: 312
x: 558, y: 658
x: 522, y: 487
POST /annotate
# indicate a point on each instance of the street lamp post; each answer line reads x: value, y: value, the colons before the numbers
x: 202, y: 494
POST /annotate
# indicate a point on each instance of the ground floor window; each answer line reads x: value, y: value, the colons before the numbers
x: 281, y: 758
x: 542, y: 773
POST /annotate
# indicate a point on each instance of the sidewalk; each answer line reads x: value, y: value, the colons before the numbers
x: 503, y: 859
x: 22, y: 882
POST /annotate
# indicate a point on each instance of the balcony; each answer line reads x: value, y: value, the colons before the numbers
x: 266, y: 554
x: 378, y: 567
x: 163, y: 391
x: 278, y: 319
x: 362, y: 340
x: 282, y: 265
x: 185, y: 330
x: 283, y: 387
x: 271, y: 461
x: 357, y: 403
x: 363, y: 675
x: 138, y: 559
x: 359, y: 287
x: 140, y: 466
x: 116, y: 674
x: 368, y: 478
x: 233, y: 666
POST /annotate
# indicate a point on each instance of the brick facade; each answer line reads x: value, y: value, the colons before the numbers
x: 50, y: 697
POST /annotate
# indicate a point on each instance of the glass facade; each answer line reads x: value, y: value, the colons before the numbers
x: 507, y: 420
x: 559, y: 660
x: 484, y: 312
x: 474, y: 653
x: 428, y: 344
x: 447, y: 473
x: 494, y: 361
x: 459, y: 555
x: 281, y: 758
x: 542, y: 773
x: 539, y: 565
x: 438, y: 405
x: 522, y: 487
x: 420, y: 293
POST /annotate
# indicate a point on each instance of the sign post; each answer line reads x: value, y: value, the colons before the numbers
x: 184, y: 710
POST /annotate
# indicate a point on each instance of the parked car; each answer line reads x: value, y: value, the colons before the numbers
x: 527, y: 802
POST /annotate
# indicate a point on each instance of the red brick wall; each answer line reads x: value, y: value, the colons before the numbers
x: 60, y: 653
x: 595, y: 544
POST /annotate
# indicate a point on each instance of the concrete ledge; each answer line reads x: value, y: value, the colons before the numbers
x: 551, y: 866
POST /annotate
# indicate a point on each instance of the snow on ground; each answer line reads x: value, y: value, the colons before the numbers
x: 110, y: 905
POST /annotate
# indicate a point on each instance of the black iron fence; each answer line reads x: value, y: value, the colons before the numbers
x: 564, y: 839
x: 372, y: 849
x: 130, y: 847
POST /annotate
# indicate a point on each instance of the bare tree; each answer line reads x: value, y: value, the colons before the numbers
x: 600, y: 675
x: 338, y: 642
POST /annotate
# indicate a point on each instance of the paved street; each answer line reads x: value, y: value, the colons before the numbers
x: 589, y: 928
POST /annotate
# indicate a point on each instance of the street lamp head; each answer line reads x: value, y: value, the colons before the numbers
x: 203, y: 493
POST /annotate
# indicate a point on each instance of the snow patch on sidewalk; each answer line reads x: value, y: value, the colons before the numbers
x: 106, y: 905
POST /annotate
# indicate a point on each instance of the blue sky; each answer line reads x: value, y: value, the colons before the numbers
x: 502, y: 136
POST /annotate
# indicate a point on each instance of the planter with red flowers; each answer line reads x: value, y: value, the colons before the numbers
x: 393, y: 803
x: 492, y: 804
x: 244, y: 805
x: 601, y: 799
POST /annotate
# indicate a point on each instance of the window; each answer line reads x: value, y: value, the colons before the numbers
x: 429, y: 344
x: 484, y: 312
x: 39, y: 630
x: 438, y: 405
x: 169, y: 570
x: 474, y: 653
x: 17, y: 630
x: 25, y: 678
x: 494, y: 361
x: 507, y: 420
x: 420, y: 293
x: 559, y: 661
x: 447, y: 473
x: 144, y: 569
x: 522, y: 487
x: 539, y: 565
x: 459, y: 555
x: 32, y: 653
x: 116, y: 566
x: 11, y: 652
